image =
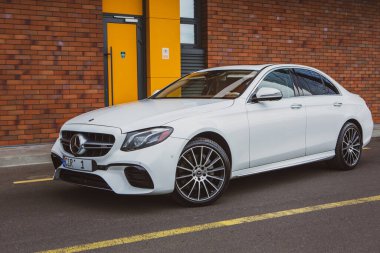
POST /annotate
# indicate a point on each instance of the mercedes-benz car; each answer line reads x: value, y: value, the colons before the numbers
x: 196, y: 134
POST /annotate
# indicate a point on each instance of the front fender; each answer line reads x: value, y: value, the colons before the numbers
x: 235, y: 133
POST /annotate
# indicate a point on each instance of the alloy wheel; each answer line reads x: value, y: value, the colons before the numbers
x: 351, y: 146
x: 201, y: 173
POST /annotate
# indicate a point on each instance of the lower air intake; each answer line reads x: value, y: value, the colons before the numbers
x: 138, y: 177
x: 85, y: 179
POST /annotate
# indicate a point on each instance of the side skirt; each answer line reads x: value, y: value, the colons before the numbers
x: 283, y: 164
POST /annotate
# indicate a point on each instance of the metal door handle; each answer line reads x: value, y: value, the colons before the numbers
x: 338, y: 104
x: 296, y: 106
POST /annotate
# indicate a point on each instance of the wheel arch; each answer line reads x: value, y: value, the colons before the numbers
x: 354, y: 121
x: 218, y: 139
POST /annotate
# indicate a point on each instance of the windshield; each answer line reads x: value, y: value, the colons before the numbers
x: 211, y: 84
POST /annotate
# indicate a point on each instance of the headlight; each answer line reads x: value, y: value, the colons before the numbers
x: 145, y: 138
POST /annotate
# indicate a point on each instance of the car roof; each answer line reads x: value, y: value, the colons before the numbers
x: 240, y: 67
x: 254, y: 67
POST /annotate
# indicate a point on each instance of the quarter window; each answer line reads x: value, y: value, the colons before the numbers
x: 310, y: 82
x: 281, y: 80
x: 330, y: 89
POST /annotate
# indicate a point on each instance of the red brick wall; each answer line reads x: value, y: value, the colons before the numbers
x: 51, y: 66
x: 342, y: 38
x: 51, y: 63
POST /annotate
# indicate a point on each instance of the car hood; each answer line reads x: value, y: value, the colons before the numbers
x: 148, y: 113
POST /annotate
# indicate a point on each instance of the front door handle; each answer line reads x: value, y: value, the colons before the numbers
x: 338, y: 104
x: 296, y: 106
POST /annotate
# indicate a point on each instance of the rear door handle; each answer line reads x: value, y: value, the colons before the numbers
x: 296, y: 106
x: 338, y: 104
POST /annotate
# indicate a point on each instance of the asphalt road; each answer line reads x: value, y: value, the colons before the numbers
x: 49, y: 215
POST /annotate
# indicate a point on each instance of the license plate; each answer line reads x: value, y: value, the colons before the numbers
x: 77, y: 163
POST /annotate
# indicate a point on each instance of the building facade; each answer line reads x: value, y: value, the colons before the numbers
x: 60, y: 58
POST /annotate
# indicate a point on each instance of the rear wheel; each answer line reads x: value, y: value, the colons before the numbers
x: 203, y: 173
x: 348, y: 148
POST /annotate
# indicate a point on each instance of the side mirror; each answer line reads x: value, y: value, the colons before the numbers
x: 266, y: 94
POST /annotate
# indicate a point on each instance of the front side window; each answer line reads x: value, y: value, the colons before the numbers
x: 281, y: 80
x: 227, y: 84
x: 310, y: 82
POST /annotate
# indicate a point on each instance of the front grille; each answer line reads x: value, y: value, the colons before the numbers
x: 85, y: 179
x: 97, y: 144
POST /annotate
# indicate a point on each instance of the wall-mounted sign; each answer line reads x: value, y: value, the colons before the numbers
x: 165, y: 53
x: 122, y: 54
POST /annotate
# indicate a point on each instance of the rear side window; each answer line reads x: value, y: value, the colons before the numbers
x: 310, y: 82
x: 279, y: 79
x: 330, y: 89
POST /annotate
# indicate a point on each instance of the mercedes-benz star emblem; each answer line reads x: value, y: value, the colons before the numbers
x: 77, y: 142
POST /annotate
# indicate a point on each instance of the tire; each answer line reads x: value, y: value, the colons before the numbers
x: 348, y: 149
x: 203, y: 173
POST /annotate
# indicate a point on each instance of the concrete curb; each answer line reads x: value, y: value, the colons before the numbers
x: 25, y: 155
x: 40, y: 154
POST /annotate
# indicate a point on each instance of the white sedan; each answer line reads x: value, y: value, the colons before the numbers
x: 193, y: 136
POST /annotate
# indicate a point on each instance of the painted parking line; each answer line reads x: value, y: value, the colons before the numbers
x: 366, y: 148
x: 33, y: 180
x: 213, y: 225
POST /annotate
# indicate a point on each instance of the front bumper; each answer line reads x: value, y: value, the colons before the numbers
x: 159, y: 161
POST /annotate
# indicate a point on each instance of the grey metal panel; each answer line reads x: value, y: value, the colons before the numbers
x: 192, y: 60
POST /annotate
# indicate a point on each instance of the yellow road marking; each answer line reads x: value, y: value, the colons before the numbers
x: 212, y: 225
x: 33, y: 180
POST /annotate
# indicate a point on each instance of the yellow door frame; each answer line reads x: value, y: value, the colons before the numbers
x: 140, y: 44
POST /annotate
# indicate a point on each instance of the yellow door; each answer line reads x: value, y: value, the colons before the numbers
x: 122, y: 63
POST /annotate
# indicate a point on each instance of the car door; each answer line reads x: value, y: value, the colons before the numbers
x: 277, y: 128
x: 324, y: 106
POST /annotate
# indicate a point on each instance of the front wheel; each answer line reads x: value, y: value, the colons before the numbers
x: 348, y: 148
x: 203, y: 172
